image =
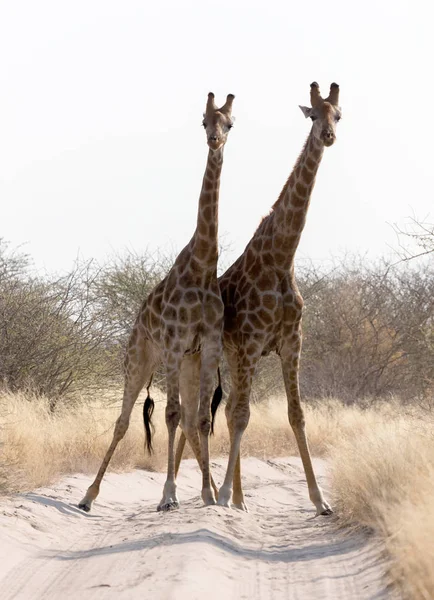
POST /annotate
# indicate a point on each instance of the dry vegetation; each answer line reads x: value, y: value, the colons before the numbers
x: 383, y: 478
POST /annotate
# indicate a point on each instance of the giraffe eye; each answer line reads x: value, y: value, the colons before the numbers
x: 230, y: 125
x: 313, y: 117
x: 204, y: 125
x: 338, y: 117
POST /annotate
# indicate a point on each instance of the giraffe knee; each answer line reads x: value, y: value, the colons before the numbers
x: 240, y: 418
x: 121, y: 427
x: 173, y: 416
x: 296, y: 416
x: 205, y: 425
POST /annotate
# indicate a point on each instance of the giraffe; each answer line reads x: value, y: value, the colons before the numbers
x: 180, y: 324
x: 263, y: 306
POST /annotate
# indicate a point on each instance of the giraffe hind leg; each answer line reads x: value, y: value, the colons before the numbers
x: 139, y: 367
x: 178, y: 458
x: 169, y: 500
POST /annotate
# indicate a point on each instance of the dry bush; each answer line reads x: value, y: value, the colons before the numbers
x: 53, y: 339
x: 368, y: 331
x: 123, y: 284
x: 416, y: 238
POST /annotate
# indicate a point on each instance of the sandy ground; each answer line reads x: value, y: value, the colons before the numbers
x: 125, y: 549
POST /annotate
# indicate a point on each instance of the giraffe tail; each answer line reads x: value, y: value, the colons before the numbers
x: 216, y: 399
x: 148, y: 409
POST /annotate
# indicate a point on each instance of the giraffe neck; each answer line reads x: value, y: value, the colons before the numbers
x: 286, y: 222
x: 204, y: 241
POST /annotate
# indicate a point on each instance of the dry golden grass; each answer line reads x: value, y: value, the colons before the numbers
x: 381, y: 457
x: 384, y: 479
x: 38, y: 445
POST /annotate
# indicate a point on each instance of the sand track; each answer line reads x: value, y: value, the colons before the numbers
x: 125, y: 549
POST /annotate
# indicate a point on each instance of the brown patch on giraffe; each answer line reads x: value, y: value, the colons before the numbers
x: 301, y: 188
x: 196, y: 313
x: 254, y: 298
x: 190, y: 296
x: 265, y: 316
x: 257, y: 244
x: 297, y: 201
x: 251, y: 349
x: 169, y: 313
x: 265, y: 281
x: 255, y: 321
x: 249, y: 258
x: 210, y: 313
x: 202, y: 229
x: 170, y: 332
x: 278, y: 240
x: 255, y: 267
x: 280, y: 257
x: 175, y: 296
x: 267, y: 244
x: 154, y: 320
x: 288, y: 218
x: 299, y: 219
x: 243, y: 285
x: 306, y: 176
x: 316, y: 153
x: 292, y: 239
x: 310, y: 163
x: 291, y: 314
x: 267, y: 259
x: 247, y: 327
x: 182, y: 315
x: 207, y: 213
x: 208, y: 185
x: 269, y: 301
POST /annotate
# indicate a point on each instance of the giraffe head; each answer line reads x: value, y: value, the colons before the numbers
x: 325, y: 114
x: 217, y: 121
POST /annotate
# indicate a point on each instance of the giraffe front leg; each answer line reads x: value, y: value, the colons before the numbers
x: 169, y: 500
x: 189, y: 385
x: 238, y: 415
x: 242, y: 366
x: 290, y: 356
x: 210, y: 358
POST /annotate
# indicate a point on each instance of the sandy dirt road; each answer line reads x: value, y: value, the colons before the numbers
x: 125, y: 549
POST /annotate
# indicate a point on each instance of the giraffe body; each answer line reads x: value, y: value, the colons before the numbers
x: 180, y: 324
x: 263, y: 306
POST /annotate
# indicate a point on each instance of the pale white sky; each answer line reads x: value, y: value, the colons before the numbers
x: 101, y: 102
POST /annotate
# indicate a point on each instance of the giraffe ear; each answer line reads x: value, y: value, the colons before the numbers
x: 306, y: 111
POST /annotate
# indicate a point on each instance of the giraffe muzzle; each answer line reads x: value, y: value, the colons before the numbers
x: 328, y: 137
x: 214, y: 142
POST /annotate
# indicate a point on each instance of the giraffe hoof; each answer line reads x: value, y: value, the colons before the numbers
x: 328, y: 511
x: 84, y: 506
x: 240, y: 506
x: 168, y: 506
